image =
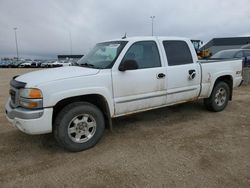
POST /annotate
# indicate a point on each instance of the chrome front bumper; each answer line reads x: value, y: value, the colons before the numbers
x: 22, y: 113
x: 30, y: 121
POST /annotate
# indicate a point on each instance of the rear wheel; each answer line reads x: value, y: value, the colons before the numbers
x: 79, y: 126
x: 219, y: 97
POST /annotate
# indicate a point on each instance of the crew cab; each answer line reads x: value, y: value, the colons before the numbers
x: 117, y: 78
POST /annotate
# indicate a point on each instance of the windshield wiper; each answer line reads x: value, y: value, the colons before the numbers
x: 87, y: 65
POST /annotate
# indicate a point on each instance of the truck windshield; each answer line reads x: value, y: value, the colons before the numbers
x: 103, y: 55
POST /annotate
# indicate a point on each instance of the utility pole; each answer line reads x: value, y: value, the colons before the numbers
x: 152, y: 19
x: 70, y: 42
x: 15, y: 30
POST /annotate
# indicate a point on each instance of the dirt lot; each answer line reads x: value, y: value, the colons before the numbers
x: 179, y: 146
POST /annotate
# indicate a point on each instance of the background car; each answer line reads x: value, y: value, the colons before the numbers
x: 15, y: 63
x: 68, y: 62
x: 44, y: 64
x: 6, y: 64
x: 243, y: 54
x: 56, y: 64
x: 47, y: 63
x: 25, y: 64
x: 34, y: 64
x: 2, y: 64
x: 231, y: 54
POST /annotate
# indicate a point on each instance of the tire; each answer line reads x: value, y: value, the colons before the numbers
x: 219, y: 97
x: 79, y: 126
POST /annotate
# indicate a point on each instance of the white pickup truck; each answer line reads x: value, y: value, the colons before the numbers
x: 117, y: 78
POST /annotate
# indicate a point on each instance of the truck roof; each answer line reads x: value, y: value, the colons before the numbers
x: 138, y: 38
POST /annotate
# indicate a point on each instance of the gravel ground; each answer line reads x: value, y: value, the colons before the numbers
x: 178, y: 146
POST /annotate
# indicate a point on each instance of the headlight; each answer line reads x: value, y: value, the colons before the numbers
x: 30, y: 98
x: 31, y: 93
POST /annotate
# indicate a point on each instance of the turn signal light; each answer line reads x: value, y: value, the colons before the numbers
x: 31, y: 93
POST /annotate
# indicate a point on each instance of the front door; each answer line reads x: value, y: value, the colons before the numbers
x: 142, y: 88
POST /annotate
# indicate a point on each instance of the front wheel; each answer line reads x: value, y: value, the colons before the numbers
x: 219, y: 97
x: 79, y: 126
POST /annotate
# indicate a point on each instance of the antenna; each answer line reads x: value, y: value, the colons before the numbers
x: 125, y: 36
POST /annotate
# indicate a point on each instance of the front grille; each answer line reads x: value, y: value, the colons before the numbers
x: 14, y: 91
x: 13, y: 96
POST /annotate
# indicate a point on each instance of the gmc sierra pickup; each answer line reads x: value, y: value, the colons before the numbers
x: 117, y: 77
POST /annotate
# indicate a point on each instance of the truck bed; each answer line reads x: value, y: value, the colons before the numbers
x: 216, y: 60
x: 212, y: 69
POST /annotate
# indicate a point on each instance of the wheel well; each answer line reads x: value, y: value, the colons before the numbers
x: 95, y: 99
x: 229, y: 80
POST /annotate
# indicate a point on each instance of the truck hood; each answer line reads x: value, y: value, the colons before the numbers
x: 42, y: 76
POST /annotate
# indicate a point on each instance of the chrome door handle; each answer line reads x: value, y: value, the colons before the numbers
x: 192, y: 74
x: 160, y: 75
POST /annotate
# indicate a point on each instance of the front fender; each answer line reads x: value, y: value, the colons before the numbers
x: 52, y: 99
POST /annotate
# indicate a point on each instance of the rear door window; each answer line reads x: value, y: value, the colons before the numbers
x: 177, y: 52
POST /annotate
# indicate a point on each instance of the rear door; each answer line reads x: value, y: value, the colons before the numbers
x: 183, y: 73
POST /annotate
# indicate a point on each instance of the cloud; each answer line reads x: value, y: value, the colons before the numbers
x: 44, y: 26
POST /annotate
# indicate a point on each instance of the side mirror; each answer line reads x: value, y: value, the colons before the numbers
x: 128, y: 65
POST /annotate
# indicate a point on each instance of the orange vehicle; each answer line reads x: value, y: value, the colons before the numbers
x: 202, y: 54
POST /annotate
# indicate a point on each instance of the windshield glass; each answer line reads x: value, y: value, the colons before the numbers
x: 103, y: 55
x: 228, y: 54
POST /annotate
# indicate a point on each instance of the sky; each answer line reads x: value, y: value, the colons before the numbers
x: 44, y: 27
